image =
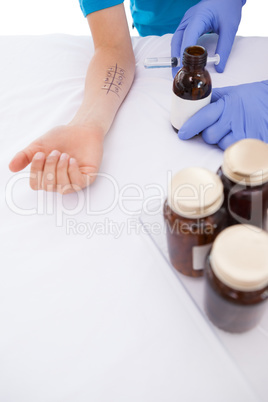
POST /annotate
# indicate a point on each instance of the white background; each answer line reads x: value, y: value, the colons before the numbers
x: 64, y: 16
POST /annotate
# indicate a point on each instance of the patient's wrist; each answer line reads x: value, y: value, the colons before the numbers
x: 93, y: 127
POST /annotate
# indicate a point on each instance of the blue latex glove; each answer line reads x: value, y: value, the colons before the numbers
x: 235, y: 113
x: 219, y: 16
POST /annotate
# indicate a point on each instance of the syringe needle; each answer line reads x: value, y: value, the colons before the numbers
x: 162, y: 62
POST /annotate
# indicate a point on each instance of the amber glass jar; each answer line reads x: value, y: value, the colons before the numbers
x: 194, y: 216
x: 237, y: 278
x: 244, y: 174
x: 191, y: 86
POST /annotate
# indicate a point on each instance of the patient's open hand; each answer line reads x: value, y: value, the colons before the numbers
x: 65, y: 159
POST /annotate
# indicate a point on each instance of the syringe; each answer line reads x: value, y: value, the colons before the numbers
x: 161, y: 62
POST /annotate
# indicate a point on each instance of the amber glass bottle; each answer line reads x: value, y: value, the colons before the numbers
x: 191, y: 86
x: 237, y: 278
x: 194, y: 216
x: 244, y: 174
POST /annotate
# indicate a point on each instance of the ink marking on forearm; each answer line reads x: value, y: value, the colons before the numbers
x: 114, y: 80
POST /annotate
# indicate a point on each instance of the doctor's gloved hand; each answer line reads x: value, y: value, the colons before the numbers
x: 218, y: 16
x: 234, y: 113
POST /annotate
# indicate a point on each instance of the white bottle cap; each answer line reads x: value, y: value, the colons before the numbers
x: 246, y: 162
x: 195, y: 193
x: 239, y: 258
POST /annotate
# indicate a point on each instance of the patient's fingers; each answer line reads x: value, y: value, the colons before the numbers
x: 63, y: 181
x: 76, y: 177
x: 57, y: 172
x: 21, y: 160
x: 38, y: 163
x: 49, y: 181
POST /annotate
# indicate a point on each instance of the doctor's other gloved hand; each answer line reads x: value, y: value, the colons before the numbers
x: 234, y: 113
x: 218, y: 16
x: 66, y: 159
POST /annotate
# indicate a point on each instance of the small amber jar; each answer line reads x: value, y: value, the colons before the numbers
x: 244, y: 174
x: 194, y: 216
x: 237, y: 278
x: 191, y: 86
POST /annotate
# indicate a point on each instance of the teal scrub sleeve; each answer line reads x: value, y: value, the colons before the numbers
x: 89, y: 6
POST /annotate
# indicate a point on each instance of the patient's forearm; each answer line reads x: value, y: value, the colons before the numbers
x: 68, y: 158
x: 109, y: 78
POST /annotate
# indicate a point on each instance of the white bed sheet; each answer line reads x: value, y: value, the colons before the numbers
x: 100, y: 317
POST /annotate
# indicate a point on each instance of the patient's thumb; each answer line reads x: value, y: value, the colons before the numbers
x: 21, y: 160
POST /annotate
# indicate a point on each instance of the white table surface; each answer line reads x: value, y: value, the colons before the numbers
x: 88, y: 313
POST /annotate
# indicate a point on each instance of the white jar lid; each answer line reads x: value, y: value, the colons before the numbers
x: 195, y: 193
x: 246, y: 161
x: 239, y: 257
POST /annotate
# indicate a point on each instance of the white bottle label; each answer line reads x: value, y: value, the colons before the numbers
x: 199, y: 256
x: 183, y: 109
